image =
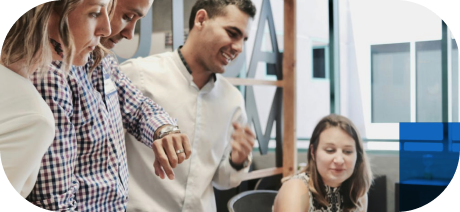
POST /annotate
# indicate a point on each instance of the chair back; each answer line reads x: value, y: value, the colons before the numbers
x: 269, y: 183
x: 252, y: 201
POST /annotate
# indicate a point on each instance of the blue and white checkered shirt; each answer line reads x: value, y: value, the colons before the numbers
x: 85, y: 168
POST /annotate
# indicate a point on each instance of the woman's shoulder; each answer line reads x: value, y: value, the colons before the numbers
x: 294, y: 194
x: 297, y: 182
x: 300, y: 176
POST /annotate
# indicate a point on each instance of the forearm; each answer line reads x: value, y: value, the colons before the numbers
x: 143, y: 123
x: 141, y: 116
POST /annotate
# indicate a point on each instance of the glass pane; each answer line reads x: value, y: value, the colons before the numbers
x: 454, y: 81
x: 319, y: 63
x: 390, y: 83
x: 428, y: 81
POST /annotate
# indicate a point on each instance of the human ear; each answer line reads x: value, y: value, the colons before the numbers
x: 200, y: 18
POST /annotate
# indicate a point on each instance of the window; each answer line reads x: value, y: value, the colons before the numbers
x: 428, y: 81
x: 390, y: 81
x: 319, y: 63
x: 271, y: 69
x: 455, y: 76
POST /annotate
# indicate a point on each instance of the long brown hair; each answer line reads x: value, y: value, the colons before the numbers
x: 358, y: 184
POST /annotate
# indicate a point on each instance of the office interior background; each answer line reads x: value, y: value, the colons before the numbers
x: 388, y: 69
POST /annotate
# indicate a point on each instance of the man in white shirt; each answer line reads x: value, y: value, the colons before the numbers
x: 209, y: 109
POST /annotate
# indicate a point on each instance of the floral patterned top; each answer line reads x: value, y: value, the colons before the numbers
x: 334, y: 198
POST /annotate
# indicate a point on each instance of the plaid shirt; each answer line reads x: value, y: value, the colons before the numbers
x: 85, y: 168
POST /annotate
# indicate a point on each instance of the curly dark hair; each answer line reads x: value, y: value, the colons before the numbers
x: 217, y: 7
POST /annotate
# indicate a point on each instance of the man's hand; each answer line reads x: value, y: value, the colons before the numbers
x: 242, y: 144
x: 166, y: 156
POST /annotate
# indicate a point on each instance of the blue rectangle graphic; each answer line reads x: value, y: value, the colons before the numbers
x: 455, y: 129
x: 421, y: 131
x: 426, y: 165
x: 426, y: 147
x: 455, y: 147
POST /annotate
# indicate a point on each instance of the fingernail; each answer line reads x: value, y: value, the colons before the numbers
x: 171, y: 177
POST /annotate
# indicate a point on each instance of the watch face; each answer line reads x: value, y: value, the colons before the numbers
x: 245, y: 164
x: 168, y: 130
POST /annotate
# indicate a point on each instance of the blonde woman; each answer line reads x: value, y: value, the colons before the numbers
x: 338, y: 175
x: 26, y: 122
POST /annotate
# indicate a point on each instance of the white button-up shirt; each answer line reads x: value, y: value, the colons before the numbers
x: 205, y: 116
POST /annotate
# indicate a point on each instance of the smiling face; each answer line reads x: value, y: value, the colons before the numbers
x: 88, y: 22
x: 221, y: 38
x: 335, y: 156
x: 125, y: 17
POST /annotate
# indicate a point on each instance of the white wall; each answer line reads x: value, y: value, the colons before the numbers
x: 127, y: 48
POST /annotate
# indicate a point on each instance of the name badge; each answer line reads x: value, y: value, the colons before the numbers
x: 109, y: 86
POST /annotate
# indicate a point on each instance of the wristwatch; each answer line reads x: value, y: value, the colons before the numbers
x: 241, y: 166
x: 166, y: 130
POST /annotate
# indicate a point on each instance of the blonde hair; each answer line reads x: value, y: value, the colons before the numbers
x: 29, y: 40
x: 358, y: 184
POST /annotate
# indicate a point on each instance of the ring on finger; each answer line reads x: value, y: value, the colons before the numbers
x: 180, y: 151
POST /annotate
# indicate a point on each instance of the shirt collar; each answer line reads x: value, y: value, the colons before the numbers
x: 186, y: 65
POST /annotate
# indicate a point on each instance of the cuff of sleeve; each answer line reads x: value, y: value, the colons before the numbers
x: 153, y: 126
x: 245, y: 164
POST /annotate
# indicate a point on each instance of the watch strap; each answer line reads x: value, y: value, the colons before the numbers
x: 236, y: 166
